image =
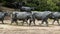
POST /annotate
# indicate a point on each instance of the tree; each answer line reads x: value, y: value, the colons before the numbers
x: 1, y: 1
x: 41, y: 5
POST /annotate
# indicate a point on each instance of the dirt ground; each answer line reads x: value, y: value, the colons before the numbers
x: 7, y: 28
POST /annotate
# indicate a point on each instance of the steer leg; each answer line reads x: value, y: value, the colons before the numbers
x: 30, y: 22
x: 27, y: 22
x: 23, y: 22
x: 34, y: 22
x: 12, y: 22
x: 16, y: 22
x: 46, y: 22
x: 53, y: 21
x: 2, y: 22
x: 58, y: 21
x: 42, y: 22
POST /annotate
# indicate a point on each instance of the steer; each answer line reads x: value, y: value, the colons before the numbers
x: 40, y: 16
x: 24, y: 16
x: 55, y: 16
x: 2, y: 16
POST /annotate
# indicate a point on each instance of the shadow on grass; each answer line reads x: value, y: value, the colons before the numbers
x: 26, y: 25
x: 32, y: 25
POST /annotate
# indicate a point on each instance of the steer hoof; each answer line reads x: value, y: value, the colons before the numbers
x: 22, y: 24
x: 40, y: 24
x: 34, y: 24
x: 11, y: 24
x: 47, y: 25
x: 29, y: 24
x: 2, y: 23
x: 52, y: 24
x: 59, y: 24
x: 16, y: 24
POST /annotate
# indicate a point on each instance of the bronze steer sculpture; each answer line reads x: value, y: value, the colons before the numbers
x: 40, y: 16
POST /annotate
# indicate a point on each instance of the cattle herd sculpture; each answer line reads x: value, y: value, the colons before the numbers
x: 31, y: 16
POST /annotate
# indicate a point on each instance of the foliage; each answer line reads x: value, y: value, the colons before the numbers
x: 41, y: 5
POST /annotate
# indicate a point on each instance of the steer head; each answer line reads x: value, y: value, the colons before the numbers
x: 6, y: 14
x: 50, y: 14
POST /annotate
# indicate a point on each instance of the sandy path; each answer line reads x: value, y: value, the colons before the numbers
x: 14, y: 29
